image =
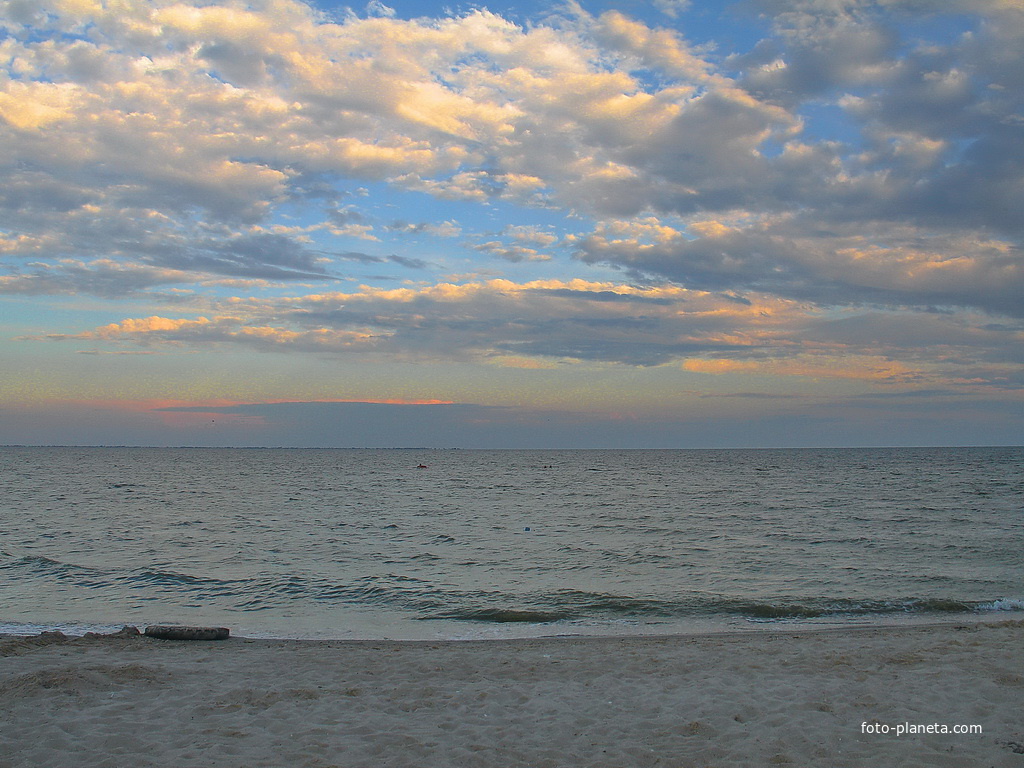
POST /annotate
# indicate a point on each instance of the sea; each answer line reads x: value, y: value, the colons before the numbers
x: 482, y: 544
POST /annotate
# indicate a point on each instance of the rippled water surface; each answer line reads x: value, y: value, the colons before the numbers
x: 350, y: 543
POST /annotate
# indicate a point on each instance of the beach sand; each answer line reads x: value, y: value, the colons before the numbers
x: 773, y: 698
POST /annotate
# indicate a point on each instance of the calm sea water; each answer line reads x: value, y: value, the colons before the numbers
x: 349, y: 543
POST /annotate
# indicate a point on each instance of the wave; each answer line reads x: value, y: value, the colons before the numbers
x: 577, y: 606
x: 425, y: 600
x: 506, y: 616
x: 40, y: 565
x: 158, y: 578
x: 818, y: 609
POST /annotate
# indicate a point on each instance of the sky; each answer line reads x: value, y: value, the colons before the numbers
x: 666, y: 224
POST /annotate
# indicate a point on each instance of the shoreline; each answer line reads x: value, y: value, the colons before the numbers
x: 514, y: 630
x: 775, y: 697
x: 767, y: 632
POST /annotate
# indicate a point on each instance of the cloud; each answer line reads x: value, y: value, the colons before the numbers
x: 377, y: 8
x: 101, y: 277
x: 225, y: 112
x: 508, y: 252
x: 851, y: 262
x: 529, y: 234
x: 912, y: 203
x: 672, y: 8
x: 852, y: 175
x: 600, y: 322
x: 540, y: 323
x: 449, y: 228
x: 177, y: 332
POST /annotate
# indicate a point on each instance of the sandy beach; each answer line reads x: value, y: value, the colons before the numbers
x: 769, y: 698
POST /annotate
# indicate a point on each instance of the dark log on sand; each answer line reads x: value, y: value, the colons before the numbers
x: 165, y: 632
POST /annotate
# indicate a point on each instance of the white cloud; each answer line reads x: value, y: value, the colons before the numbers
x: 377, y: 8
x: 672, y: 8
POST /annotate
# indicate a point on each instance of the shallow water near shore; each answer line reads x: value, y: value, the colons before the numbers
x: 478, y: 544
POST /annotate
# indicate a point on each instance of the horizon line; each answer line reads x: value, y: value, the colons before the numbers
x: 462, y: 448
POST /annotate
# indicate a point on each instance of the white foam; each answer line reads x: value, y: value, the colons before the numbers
x: 1004, y: 604
x: 68, y: 628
